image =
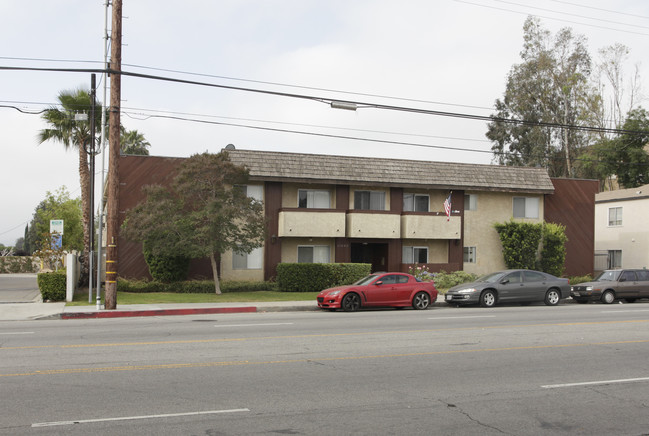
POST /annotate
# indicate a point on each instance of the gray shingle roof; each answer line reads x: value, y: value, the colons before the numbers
x: 326, y: 169
x: 639, y: 193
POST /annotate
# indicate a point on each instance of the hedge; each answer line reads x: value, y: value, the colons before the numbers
x: 309, y: 277
x: 52, y: 285
x: 192, y: 286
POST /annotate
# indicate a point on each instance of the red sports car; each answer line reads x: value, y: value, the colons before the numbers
x: 380, y: 290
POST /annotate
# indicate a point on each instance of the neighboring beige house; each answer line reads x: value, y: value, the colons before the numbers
x: 621, y: 230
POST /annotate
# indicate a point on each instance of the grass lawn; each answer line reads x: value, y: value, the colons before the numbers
x: 81, y: 297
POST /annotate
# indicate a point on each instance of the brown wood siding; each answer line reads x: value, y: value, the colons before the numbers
x: 136, y: 172
x: 573, y: 205
x: 273, y: 251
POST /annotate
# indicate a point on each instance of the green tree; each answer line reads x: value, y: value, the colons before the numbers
x: 57, y: 205
x: 133, y: 142
x: 550, y: 86
x: 202, y: 214
x: 63, y: 128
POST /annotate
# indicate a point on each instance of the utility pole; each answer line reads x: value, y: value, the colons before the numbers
x: 112, y: 219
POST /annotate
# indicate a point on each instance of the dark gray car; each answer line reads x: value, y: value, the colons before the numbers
x: 511, y: 286
x: 627, y: 284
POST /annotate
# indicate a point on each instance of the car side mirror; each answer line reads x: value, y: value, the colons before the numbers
x: 504, y: 282
x: 380, y: 282
x: 623, y: 279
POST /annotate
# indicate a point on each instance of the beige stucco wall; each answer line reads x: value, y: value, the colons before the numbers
x: 437, y: 249
x: 311, y: 224
x: 228, y: 273
x: 368, y: 225
x: 289, y: 247
x: 479, y: 232
x: 353, y: 189
x: 431, y: 227
x: 632, y: 237
x: 289, y: 193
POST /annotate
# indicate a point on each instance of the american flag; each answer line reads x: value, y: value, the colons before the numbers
x: 447, y: 206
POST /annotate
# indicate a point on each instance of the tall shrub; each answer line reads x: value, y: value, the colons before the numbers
x: 164, y: 268
x: 520, y: 243
x: 553, y: 254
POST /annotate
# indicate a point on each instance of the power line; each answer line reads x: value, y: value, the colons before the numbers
x: 600, y: 9
x: 550, y: 18
x: 329, y: 100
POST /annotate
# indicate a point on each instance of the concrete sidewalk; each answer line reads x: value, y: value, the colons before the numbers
x: 40, y: 311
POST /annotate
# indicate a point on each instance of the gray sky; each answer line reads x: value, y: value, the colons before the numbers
x: 442, y: 55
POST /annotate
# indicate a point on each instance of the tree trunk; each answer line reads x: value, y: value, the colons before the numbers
x: 84, y: 180
x: 215, y: 273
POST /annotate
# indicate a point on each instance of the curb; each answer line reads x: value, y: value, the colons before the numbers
x: 157, y: 312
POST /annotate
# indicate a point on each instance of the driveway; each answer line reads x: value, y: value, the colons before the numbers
x: 19, y: 288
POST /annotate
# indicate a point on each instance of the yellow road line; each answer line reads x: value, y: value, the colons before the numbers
x: 317, y: 359
x: 319, y: 335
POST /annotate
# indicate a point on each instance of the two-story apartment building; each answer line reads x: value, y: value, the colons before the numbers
x: 621, y: 231
x: 387, y: 212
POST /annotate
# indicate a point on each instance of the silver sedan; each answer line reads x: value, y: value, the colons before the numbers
x: 510, y: 286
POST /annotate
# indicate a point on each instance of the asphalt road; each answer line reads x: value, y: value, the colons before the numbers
x: 513, y: 370
x: 18, y: 288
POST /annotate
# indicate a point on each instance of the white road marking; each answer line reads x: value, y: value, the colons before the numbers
x: 129, y: 418
x: 254, y: 325
x: 17, y: 333
x: 624, y: 310
x: 465, y: 317
x: 601, y: 382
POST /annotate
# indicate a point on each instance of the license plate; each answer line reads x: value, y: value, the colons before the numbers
x: 576, y: 294
x: 449, y: 297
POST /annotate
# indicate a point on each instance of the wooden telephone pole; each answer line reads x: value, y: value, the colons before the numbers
x: 112, y: 212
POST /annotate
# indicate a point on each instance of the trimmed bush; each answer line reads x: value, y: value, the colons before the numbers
x: 444, y: 280
x: 310, y: 277
x: 52, y: 285
x: 192, y: 286
x: 167, y: 269
x: 580, y: 279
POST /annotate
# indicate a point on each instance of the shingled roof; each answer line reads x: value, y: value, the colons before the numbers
x: 326, y: 169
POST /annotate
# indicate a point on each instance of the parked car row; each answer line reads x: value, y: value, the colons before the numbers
x: 400, y: 290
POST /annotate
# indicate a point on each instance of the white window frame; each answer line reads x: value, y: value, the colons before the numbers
x: 410, y: 202
x: 408, y: 253
x: 374, y: 197
x: 470, y: 202
x: 614, y: 259
x: 253, y: 191
x: 470, y: 254
x: 617, y: 219
x: 314, y: 198
x: 252, y: 260
x: 319, y: 253
x: 531, y: 207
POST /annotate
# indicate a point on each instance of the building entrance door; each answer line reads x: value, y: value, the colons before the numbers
x: 373, y: 253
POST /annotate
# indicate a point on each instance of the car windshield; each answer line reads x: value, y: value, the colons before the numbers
x: 608, y: 276
x: 366, y: 280
x: 489, y: 278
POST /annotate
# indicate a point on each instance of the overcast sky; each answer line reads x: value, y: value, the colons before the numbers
x: 441, y: 55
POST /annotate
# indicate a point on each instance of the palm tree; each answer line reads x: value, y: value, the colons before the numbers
x: 133, y: 142
x: 72, y: 133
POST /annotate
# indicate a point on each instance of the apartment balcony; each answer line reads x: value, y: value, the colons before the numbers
x: 373, y: 224
x: 430, y: 226
x: 311, y: 223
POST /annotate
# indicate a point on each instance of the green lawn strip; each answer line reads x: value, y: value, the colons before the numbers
x: 81, y: 298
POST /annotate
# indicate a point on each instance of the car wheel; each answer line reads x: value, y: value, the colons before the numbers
x: 608, y: 297
x: 421, y: 301
x: 351, y: 302
x: 552, y: 297
x: 488, y: 299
